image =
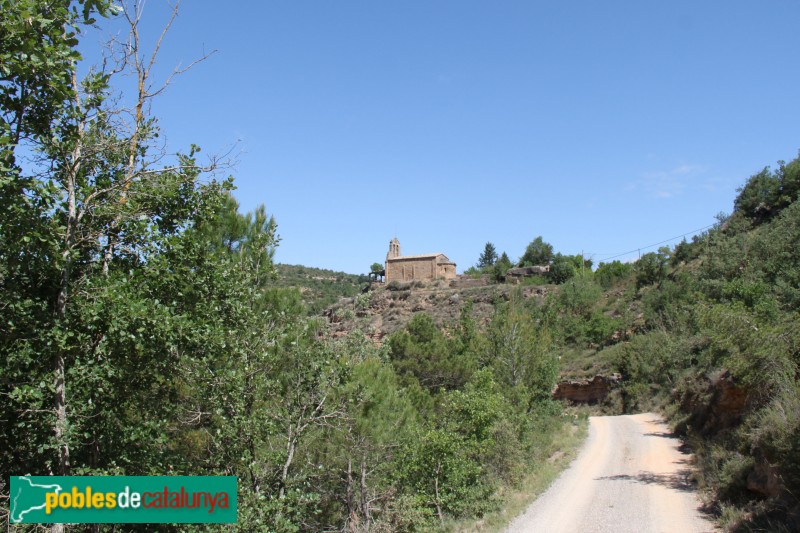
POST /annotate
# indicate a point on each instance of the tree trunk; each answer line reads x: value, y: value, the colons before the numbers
x: 291, y: 443
x: 61, y: 422
x: 364, y: 500
x: 436, y: 493
x: 351, y: 510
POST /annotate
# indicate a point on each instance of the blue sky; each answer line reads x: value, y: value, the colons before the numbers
x: 602, y: 126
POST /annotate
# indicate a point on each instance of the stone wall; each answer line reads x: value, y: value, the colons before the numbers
x: 419, y: 268
x: 411, y: 269
x: 446, y: 271
x: 462, y: 282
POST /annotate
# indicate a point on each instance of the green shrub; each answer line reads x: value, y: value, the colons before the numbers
x: 651, y: 268
x: 562, y: 269
x: 609, y: 274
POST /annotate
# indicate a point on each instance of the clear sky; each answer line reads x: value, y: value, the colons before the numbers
x: 601, y: 126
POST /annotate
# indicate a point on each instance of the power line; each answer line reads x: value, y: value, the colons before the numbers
x: 640, y: 248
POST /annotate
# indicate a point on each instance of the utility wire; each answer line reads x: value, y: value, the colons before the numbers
x: 656, y: 244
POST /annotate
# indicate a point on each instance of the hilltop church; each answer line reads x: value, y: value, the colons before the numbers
x: 416, y: 267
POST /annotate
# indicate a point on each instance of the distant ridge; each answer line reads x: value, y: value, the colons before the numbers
x: 319, y: 287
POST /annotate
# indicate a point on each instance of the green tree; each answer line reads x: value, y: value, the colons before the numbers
x: 500, y: 268
x: 767, y: 193
x: 562, y: 269
x: 38, y: 53
x: 443, y: 467
x: 522, y: 352
x: 84, y: 207
x: 789, y: 177
x: 488, y: 257
x: 375, y: 268
x: 378, y: 418
x: 537, y: 252
x: 607, y: 274
x: 651, y: 268
x: 421, y: 350
x: 759, y: 197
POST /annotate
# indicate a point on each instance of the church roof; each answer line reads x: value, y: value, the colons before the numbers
x: 421, y: 256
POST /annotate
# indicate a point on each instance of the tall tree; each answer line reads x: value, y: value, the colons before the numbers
x: 87, y: 201
x: 501, y: 266
x: 538, y: 252
x: 522, y: 352
x: 488, y: 257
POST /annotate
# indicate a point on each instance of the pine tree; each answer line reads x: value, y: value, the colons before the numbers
x: 488, y: 257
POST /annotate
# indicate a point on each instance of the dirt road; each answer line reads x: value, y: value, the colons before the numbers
x: 629, y: 476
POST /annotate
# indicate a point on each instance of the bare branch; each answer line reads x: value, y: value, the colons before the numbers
x: 163, y: 34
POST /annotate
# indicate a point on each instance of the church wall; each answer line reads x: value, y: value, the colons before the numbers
x: 411, y: 269
x: 418, y: 269
x: 446, y: 271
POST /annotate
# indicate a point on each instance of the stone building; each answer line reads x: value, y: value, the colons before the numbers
x: 416, y: 267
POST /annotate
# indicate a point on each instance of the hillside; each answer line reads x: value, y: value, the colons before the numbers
x: 319, y: 287
x: 705, y: 332
x: 384, y: 310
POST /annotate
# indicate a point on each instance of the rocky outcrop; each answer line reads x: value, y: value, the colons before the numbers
x: 765, y: 480
x: 517, y: 273
x: 585, y: 391
x: 388, y: 307
x: 728, y: 401
x: 717, y: 403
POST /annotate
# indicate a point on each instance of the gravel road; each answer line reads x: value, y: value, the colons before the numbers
x: 629, y: 476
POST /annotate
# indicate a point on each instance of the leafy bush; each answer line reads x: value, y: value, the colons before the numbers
x: 650, y: 269
x: 579, y: 297
x: 537, y: 252
x: 609, y: 274
x: 422, y: 351
x: 562, y: 269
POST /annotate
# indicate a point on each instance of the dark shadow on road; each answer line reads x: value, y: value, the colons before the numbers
x: 663, y: 434
x: 681, y: 480
x: 683, y: 448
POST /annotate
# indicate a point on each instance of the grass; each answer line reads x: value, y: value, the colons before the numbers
x: 559, y: 454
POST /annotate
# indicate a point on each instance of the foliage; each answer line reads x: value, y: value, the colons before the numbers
x: 537, y: 252
x: 319, y: 288
x: 759, y: 197
x: 562, y: 269
x: 500, y: 268
x: 609, y: 274
x: 423, y: 352
x: 651, y: 268
x: 767, y: 193
x: 38, y: 50
x: 488, y: 257
x: 522, y: 354
x: 128, y: 276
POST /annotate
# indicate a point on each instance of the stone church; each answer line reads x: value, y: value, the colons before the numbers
x: 416, y: 267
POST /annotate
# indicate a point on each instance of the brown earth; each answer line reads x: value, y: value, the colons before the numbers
x: 589, y: 391
x: 388, y: 308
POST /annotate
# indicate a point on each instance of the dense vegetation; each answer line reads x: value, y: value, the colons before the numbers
x: 146, y: 330
x: 319, y: 287
x: 720, y: 324
x: 708, y: 333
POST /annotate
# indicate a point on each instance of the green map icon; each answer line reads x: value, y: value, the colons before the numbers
x: 28, y: 499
